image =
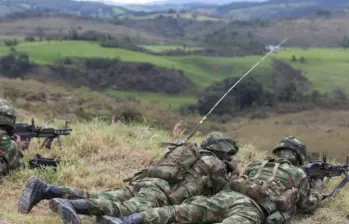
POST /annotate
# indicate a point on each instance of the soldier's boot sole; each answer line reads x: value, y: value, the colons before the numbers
x: 31, y: 195
x: 65, y: 211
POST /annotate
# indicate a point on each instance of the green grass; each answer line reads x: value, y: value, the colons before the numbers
x: 326, y: 68
x: 118, y: 11
x: 201, y: 70
x: 164, y: 48
x: 168, y: 101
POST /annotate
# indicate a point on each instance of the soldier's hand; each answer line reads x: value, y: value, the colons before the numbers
x: 21, y: 144
x: 232, y: 167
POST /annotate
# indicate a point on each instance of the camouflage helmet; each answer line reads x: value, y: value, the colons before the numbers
x: 220, y: 142
x: 295, y: 145
x: 7, y: 114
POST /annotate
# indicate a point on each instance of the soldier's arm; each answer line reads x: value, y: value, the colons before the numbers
x: 10, y: 152
x: 217, y: 172
x: 309, y: 198
x: 232, y: 167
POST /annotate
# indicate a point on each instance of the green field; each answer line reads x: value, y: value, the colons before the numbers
x: 326, y: 68
x: 164, y: 48
x: 118, y: 11
x: 200, y: 69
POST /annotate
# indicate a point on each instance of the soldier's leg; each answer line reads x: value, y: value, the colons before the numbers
x: 37, y: 190
x: 226, y: 207
x: 150, y: 193
x: 245, y: 213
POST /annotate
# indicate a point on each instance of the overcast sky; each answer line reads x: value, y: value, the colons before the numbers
x: 128, y: 1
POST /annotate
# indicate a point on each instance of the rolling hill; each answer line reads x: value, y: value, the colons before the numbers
x: 276, y: 9
x: 92, y: 9
x: 324, y: 67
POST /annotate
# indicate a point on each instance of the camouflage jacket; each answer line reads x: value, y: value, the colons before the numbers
x: 10, y: 155
x: 190, y: 170
x: 278, y: 186
x: 206, y: 177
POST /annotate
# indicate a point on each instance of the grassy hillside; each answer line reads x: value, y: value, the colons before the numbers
x: 306, y: 32
x: 84, y: 8
x: 185, y: 15
x: 201, y: 70
x: 98, y: 160
x: 54, y: 25
x: 98, y: 148
x: 164, y: 48
x: 325, y: 67
x: 276, y: 9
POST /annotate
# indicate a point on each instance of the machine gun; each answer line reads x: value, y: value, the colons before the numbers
x: 39, y: 162
x: 29, y: 131
x: 319, y: 169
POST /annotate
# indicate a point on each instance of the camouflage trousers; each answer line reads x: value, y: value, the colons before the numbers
x: 137, y: 197
x: 226, y: 207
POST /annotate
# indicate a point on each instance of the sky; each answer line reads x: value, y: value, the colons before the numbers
x: 129, y: 1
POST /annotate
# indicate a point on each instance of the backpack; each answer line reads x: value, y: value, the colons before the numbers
x: 268, y: 194
x: 173, y: 165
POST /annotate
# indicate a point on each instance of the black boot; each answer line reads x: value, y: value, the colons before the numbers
x: 69, y: 209
x: 131, y: 219
x: 35, y: 191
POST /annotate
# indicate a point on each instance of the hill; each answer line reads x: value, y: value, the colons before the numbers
x: 276, y: 9
x: 58, y: 25
x: 200, y: 69
x: 119, y: 149
x: 85, y: 8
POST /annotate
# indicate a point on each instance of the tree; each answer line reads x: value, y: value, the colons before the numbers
x: 245, y: 95
x: 294, y: 58
x: 39, y: 32
x: 11, y: 43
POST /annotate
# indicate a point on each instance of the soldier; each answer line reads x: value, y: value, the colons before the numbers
x: 184, y: 171
x: 10, y: 153
x: 271, y: 191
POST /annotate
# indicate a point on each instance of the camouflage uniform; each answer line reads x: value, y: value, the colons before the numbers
x: 271, y: 191
x: 207, y: 176
x: 10, y: 155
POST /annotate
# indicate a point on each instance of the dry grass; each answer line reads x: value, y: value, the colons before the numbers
x: 303, y: 31
x: 323, y: 131
x: 99, y: 155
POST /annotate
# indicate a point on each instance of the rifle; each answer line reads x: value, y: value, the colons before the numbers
x: 39, y: 162
x: 321, y: 169
x: 29, y: 131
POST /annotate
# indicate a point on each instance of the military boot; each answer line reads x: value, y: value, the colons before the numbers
x: 131, y: 219
x: 35, y: 191
x: 69, y: 209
